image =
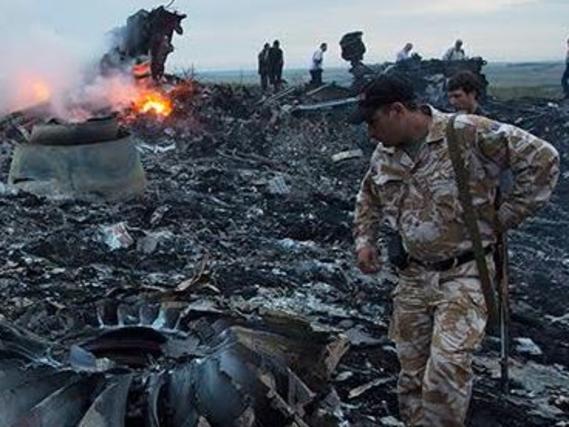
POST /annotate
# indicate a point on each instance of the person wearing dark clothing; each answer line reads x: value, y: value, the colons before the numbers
x: 565, y: 78
x: 276, y: 64
x: 264, y: 66
x: 464, y: 90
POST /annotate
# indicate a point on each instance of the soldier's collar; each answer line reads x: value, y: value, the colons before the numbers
x: 437, y: 129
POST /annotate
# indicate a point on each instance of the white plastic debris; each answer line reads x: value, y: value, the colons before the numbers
x: 347, y: 155
x: 295, y: 245
x: 158, y: 214
x: 156, y: 149
x: 527, y: 346
x: 391, y: 422
x: 116, y: 236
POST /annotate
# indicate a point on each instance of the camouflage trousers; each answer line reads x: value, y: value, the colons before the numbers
x: 439, y: 319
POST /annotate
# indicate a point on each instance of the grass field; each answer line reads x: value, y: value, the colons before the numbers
x: 507, y: 80
x: 541, y: 80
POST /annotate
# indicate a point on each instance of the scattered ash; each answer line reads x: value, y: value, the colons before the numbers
x: 246, y: 202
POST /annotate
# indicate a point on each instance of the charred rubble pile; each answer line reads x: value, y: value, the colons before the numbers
x: 243, y: 235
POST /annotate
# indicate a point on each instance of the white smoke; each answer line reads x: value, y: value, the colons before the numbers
x: 40, y: 66
x: 101, y: 94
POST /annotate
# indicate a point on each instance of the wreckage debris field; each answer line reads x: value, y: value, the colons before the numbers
x: 245, y: 207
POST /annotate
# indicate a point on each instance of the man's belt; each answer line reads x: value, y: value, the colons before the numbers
x: 447, y: 264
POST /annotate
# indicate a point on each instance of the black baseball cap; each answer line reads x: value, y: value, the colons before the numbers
x: 384, y: 90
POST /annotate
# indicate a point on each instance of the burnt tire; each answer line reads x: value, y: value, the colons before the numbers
x: 89, y: 132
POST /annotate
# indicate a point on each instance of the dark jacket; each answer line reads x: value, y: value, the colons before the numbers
x: 276, y: 60
x: 263, y: 67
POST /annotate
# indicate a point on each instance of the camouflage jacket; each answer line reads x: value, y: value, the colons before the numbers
x: 419, y: 198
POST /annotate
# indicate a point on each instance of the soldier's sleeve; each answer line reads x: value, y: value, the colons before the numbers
x: 534, y: 164
x: 368, y: 213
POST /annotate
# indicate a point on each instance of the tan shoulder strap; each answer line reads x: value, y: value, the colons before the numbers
x: 457, y: 151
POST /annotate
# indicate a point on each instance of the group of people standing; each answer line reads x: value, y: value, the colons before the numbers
x: 271, y: 64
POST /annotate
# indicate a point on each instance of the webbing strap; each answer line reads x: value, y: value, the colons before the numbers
x: 457, y: 155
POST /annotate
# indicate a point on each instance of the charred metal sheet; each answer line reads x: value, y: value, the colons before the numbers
x: 92, y: 131
x: 328, y: 92
x: 180, y: 396
x: 108, y: 170
x: 19, y: 400
x: 15, y: 372
x: 223, y: 389
x: 21, y: 343
x: 328, y: 105
x: 65, y: 407
x: 109, y: 408
x: 154, y: 386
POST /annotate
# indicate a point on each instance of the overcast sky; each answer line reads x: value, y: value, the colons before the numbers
x: 226, y: 34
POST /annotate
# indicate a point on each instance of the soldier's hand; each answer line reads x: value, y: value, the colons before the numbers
x: 368, y: 260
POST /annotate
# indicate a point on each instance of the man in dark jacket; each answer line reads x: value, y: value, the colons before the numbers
x: 264, y: 66
x: 276, y: 64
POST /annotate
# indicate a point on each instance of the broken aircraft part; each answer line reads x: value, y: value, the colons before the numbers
x: 168, y: 365
x: 91, y: 161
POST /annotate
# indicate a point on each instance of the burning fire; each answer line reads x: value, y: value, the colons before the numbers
x: 40, y: 91
x: 28, y: 90
x: 153, y: 102
x: 78, y: 103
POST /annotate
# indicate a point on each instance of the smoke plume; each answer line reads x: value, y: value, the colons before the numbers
x: 40, y: 66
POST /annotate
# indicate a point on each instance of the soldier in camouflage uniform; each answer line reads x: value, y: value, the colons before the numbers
x: 439, y: 313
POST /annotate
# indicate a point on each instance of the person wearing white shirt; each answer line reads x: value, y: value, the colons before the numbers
x: 316, y: 66
x: 405, y: 54
x: 455, y: 53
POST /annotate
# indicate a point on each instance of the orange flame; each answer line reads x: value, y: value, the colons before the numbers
x: 28, y: 90
x: 154, y: 102
x: 41, y: 91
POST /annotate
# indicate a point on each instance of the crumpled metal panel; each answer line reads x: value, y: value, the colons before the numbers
x: 202, y: 370
x: 107, y: 171
x: 19, y: 400
x: 109, y: 408
x: 65, y: 407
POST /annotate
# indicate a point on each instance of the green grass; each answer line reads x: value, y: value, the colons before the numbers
x: 530, y: 80
x: 516, y: 92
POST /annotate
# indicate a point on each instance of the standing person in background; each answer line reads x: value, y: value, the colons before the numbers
x: 405, y: 54
x: 263, y: 68
x: 316, y: 66
x: 276, y: 65
x: 455, y: 53
x: 565, y: 78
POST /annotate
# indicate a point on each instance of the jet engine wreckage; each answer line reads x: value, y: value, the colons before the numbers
x: 170, y: 365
